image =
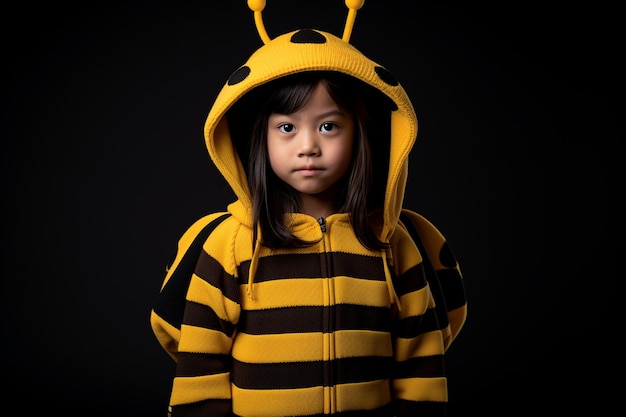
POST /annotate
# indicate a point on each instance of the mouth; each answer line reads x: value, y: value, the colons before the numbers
x: 309, y: 170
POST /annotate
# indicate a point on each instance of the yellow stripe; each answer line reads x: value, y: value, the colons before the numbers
x: 307, y: 401
x: 187, y: 390
x: 166, y: 334
x: 415, y: 303
x: 200, y: 340
x: 304, y: 347
x: 361, y: 292
x: 278, y: 348
x: 204, y: 293
x: 293, y: 402
x: 365, y: 395
x: 316, y: 292
x: 284, y: 293
x: 353, y: 343
x: 422, y: 389
x: 427, y: 344
x: 457, y: 319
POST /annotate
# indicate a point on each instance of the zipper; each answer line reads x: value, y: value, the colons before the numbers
x: 322, y: 223
x: 330, y: 394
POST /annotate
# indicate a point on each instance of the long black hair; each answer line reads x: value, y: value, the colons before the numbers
x: 361, y: 190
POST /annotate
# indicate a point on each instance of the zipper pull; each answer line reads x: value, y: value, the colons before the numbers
x: 322, y: 222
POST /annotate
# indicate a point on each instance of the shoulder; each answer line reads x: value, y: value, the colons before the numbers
x: 429, y: 239
x: 229, y: 241
x: 206, y: 224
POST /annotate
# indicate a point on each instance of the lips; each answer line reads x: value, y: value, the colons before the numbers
x: 309, y: 170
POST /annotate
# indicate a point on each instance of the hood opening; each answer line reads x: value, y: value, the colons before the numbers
x: 243, y: 113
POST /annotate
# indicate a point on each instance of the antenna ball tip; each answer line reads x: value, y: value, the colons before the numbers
x: 257, y: 5
x: 353, y: 4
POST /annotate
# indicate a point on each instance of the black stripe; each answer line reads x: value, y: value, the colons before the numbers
x: 413, y: 279
x: 429, y: 270
x: 200, y: 315
x: 421, y: 367
x: 306, y: 319
x: 295, y: 375
x: 309, y: 265
x: 170, y: 304
x: 204, y: 408
x: 385, y: 411
x: 198, y: 364
x: 413, y: 326
x: 422, y: 408
x: 452, y: 286
x: 211, y: 271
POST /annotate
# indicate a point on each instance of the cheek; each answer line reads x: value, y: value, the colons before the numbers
x: 343, y: 156
x: 276, y: 156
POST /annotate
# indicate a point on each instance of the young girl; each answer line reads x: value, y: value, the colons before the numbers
x: 310, y: 298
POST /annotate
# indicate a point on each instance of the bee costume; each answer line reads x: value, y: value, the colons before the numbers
x: 329, y: 329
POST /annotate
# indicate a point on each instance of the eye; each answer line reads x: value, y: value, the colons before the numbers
x: 327, y: 127
x: 286, y: 128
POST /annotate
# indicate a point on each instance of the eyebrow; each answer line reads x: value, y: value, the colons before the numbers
x: 334, y: 112
x: 337, y: 112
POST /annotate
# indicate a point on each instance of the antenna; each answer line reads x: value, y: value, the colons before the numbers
x: 257, y: 7
x: 353, y: 6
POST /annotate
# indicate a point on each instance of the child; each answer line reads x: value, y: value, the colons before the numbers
x: 310, y: 298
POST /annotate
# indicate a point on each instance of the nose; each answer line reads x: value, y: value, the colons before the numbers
x: 308, y: 144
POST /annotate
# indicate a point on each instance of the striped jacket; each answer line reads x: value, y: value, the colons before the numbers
x: 316, y: 332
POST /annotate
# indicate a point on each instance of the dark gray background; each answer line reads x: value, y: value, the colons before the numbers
x: 518, y: 162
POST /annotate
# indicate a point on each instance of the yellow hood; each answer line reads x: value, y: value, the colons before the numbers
x: 312, y: 50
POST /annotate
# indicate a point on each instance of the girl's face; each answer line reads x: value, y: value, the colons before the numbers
x: 311, y: 149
